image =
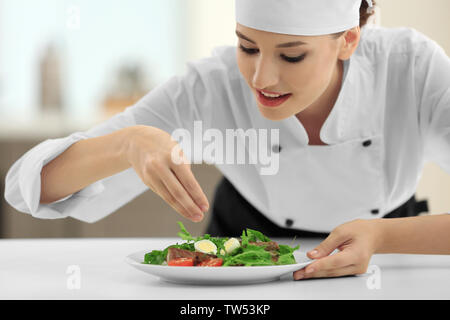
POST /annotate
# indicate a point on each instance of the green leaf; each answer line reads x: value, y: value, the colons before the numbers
x: 244, y: 239
x: 255, y: 235
x: 237, y: 251
x: 183, y: 233
x: 155, y: 257
x: 219, y: 242
x: 252, y: 247
x: 286, y: 259
x: 185, y: 246
x: 284, y: 249
x: 250, y: 255
x: 286, y: 254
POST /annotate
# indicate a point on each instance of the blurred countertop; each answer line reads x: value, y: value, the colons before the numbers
x: 105, y: 274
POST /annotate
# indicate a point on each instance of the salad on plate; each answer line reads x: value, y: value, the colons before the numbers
x: 252, y: 249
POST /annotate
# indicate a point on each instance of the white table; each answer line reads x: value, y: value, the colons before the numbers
x: 40, y: 269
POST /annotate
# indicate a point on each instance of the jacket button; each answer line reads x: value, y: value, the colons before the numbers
x: 375, y: 211
x: 289, y: 223
x: 367, y: 143
x: 276, y: 148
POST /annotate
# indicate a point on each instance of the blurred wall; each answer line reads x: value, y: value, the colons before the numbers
x: 92, y: 40
x: 211, y: 23
x: 432, y: 19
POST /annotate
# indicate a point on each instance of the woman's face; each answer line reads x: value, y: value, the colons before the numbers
x: 304, y: 69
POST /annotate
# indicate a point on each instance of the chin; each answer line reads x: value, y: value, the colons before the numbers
x: 276, y: 114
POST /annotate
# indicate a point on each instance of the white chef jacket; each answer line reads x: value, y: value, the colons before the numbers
x: 392, y: 114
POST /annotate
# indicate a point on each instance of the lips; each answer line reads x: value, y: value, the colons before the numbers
x: 272, y: 102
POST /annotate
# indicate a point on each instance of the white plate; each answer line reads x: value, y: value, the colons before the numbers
x: 217, y: 275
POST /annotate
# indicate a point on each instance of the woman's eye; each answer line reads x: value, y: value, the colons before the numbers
x: 248, y: 50
x: 294, y: 59
x: 286, y: 58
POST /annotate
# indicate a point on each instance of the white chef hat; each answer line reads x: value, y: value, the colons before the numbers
x: 300, y: 17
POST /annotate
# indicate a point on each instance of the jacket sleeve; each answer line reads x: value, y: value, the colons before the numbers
x: 171, y: 105
x: 433, y: 90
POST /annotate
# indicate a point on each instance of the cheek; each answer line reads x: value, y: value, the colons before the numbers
x: 311, y: 76
x: 245, y: 66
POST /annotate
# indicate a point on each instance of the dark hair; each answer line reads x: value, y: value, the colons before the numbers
x: 363, y: 14
x: 363, y: 17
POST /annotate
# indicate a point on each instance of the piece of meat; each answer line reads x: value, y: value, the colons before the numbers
x: 175, y: 253
x: 199, y: 257
x: 202, y: 257
x: 270, y: 245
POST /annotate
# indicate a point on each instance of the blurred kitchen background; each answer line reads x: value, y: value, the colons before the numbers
x: 68, y: 65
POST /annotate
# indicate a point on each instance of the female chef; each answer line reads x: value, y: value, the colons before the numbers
x: 357, y: 111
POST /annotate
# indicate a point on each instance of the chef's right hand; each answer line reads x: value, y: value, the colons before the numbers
x: 149, y: 152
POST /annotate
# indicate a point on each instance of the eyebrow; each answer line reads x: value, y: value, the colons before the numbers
x: 282, y: 45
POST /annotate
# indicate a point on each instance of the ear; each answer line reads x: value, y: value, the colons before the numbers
x: 350, y: 41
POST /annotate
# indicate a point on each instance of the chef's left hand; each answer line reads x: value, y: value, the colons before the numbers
x: 356, y: 241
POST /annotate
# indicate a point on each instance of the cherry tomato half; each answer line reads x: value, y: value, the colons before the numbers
x: 181, y: 262
x: 215, y: 262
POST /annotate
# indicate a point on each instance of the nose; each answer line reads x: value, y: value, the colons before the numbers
x: 266, y: 73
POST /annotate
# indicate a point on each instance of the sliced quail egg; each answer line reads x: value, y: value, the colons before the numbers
x: 205, y: 246
x: 231, y: 244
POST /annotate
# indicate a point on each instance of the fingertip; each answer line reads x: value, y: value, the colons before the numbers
x: 309, y: 269
x: 197, y: 217
x: 297, y: 275
x: 314, y: 254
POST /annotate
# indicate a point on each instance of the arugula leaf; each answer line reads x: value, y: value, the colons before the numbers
x: 250, y: 257
x: 155, y: 257
x: 286, y: 259
x: 184, y: 234
x: 255, y: 235
x: 219, y: 242
x: 286, y: 254
x: 186, y: 246
x: 284, y: 249
x: 244, y: 239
